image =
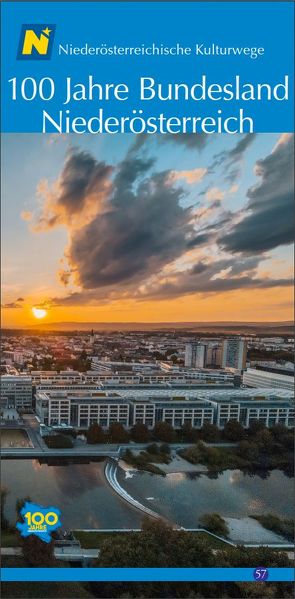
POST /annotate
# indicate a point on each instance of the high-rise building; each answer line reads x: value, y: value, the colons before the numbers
x: 234, y: 353
x: 214, y: 355
x: 195, y: 355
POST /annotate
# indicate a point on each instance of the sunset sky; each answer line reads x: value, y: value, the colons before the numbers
x: 146, y: 228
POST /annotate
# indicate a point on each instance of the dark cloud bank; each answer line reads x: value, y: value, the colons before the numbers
x: 138, y: 226
x: 268, y: 220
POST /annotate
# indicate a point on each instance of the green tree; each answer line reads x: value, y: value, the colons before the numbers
x: 117, y: 433
x: 165, y: 448
x: 47, y: 363
x: 255, y: 427
x: 95, y: 434
x: 210, y: 433
x: 257, y: 589
x: 264, y: 439
x: 35, y: 362
x: 153, y: 449
x: 248, y: 451
x: 233, y: 431
x: 19, y: 504
x: 140, y: 433
x: 163, y: 431
x: 279, y: 431
x: 281, y: 526
x: 283, y: 436
x: 214, y: 523
x: 188, y: 434
x: 37, y: 553
x: 245, y: 557
x: 58, y: 441
x: 157, y: 545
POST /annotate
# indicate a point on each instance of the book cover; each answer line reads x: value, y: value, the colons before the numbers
x: 147, y: 346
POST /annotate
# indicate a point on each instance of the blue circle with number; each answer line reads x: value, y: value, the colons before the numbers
x: 260, y: 574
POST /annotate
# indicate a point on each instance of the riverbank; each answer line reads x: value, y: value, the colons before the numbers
x: 262, y: 454
x: 249, y: 531
x: 177, y: 465
x: 94, y: 539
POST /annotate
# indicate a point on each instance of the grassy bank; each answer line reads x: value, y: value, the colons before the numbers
x: 281, y: 526
x: 221, y: 458
x: 94, y: 540
x: 146, y: 460
x: 245, y: 456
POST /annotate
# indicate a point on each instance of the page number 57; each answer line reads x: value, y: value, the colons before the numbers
x: 260, y: 574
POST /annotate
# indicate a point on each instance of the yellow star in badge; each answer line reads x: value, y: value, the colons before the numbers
x: 46, y: 31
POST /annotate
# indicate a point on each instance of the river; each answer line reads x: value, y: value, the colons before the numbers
x: 86, y: 500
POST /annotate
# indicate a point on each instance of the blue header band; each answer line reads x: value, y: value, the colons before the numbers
x: 49, y: 47
x: 142, y: 574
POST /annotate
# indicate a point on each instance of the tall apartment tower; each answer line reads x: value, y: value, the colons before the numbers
x: 195, y: 355
x: 234, y: 353
x: 214, y: 356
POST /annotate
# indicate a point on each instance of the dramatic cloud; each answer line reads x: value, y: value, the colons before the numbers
x: 14, y: 305
x: 231, y: 160
x: 233, y: 189
x: 268, y: 218
x: 189, y: 140
x: 131, y: 236
x: 218, y: 276
x: 142, y: 229
x: 194, y: 176
x: 238, y: 151
x: 80, y: 190
x: 212, y: 277
x: 214, y: 193
x: 198, y: 240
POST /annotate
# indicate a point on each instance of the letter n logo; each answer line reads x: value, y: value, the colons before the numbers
x: 36, y: 42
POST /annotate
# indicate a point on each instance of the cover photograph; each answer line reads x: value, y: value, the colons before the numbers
x: 147, y: 321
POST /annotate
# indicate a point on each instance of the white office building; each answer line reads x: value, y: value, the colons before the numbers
x: 268, y: 413
x: 143, y: 412
x: 150, y: 404
x: 54, y: 377
x: 269, y: 406
x: 81, y: 410
x: 15, y: 392
x: 264, y: 378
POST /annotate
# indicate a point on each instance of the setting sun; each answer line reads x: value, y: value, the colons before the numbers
x: 39, y: 312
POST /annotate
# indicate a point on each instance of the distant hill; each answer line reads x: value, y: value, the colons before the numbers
x: 285, y: 327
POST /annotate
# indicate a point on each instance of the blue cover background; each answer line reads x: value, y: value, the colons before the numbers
x: 267, y: 24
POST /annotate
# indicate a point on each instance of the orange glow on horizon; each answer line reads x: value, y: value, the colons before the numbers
x: 238, y: 305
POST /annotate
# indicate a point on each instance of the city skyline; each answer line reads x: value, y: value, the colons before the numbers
x: 146, y: 229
